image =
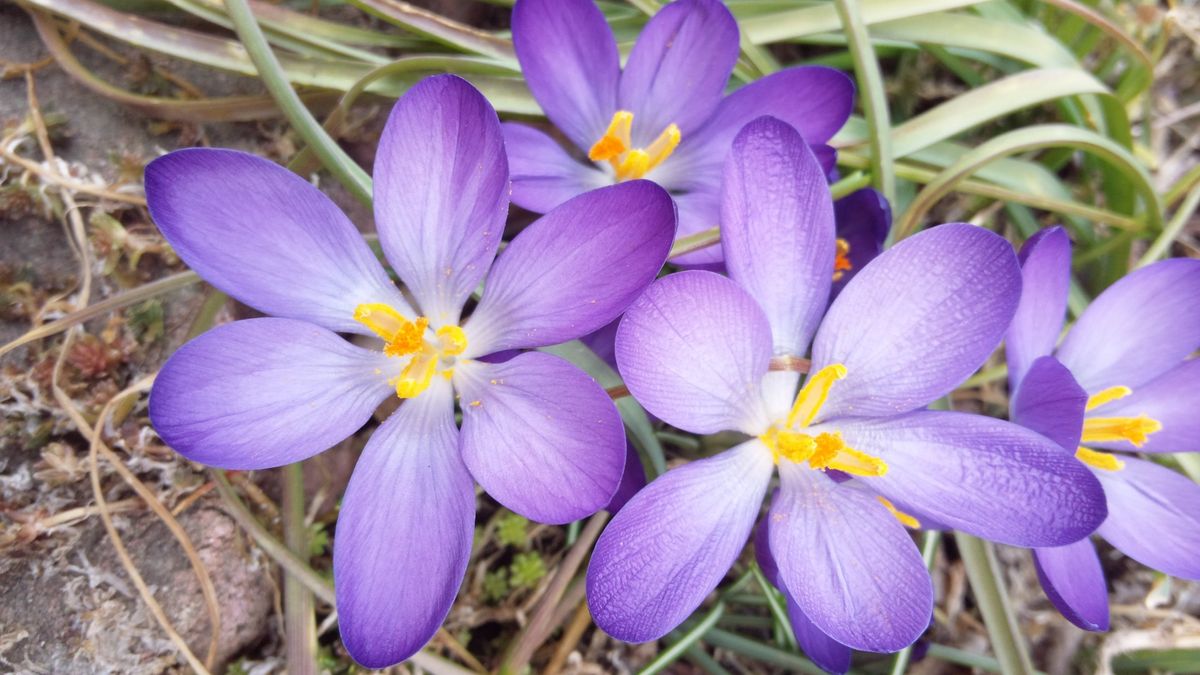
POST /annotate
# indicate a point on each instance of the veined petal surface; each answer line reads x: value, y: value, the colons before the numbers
x: 987, y: 477
x: 543, y: 174
x: 265, y: 392
x: 1154, y: 517
x: 777, y: 229
x: 404, y: 532
x: 541, y: 436
x: 569, y: 59
x: 918, y: 320
x: 441, y: 192
x: 1137, y: 329
x: 1050, y: 402
x: 693, y: 350
x: 1046, y: 280
x: 1073, y: 579
x: 266, y: 237
x: 575, y: 269
x: 674, y: 541
x: 1173, y: 399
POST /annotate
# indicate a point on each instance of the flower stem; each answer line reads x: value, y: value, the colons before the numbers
x: 344, y: 169
x: 983, y: 571
x: 299, y: 622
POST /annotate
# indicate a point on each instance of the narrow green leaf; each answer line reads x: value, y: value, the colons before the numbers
x: 794, y: 23
x: 987, y: 584
x: 874, y: 98
x: 669, y: 655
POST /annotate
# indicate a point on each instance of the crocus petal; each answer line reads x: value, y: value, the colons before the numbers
x: 678, y: 68
x: 815, y: 100
x: 863, y: 220
x: 264, y: 392
x: 575, y: 269
x: 984, y: 476
x: 543, y: 174
x: 1046, y: 278
x: 829, y: 654
x: 1050, y: 402
x: 441, y: 192
x: 1173, y: 399
x: 1154, y: 517
x: 633, y: 479
x: 1137, y: 329
x: 850, y: 566
x: 674, y: 541
x: 569, y: 59
x: 699, y: 210
x: 918, y: 320
x: 1073, y: 579
x: 540, y: 436
x: 266, y: 237
x: 777, y: 229
x: 693, y: 350
x: 404, y: 532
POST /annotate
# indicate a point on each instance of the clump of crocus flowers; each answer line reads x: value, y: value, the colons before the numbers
x: 800, y: 333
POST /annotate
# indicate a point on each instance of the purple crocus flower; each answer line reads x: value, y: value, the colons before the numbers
x: 1120, y: 381
x: 537, y: 433
x: 663, y: 116
x: 696, y: 350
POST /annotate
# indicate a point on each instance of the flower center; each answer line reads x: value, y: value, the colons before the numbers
x: 1109, y: 429
x: 616, y: 148
x: 841, y: 264
x: 407, y: 340
x: 826, y: 450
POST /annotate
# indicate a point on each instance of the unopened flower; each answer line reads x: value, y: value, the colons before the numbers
x: 1120, y: 381
x: 664, y: 116
x: 696, y: 351
x: 537, y: 433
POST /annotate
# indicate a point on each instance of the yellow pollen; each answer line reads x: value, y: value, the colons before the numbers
x: 1107, y: 396
x: 404, y: 338
x: 841, y: 263
x: 1108, y: 429
x: 823, y: 451
x: 616, y: 147
x: 904, y: 518
x: 1099, y: 460
x: 812, y: 396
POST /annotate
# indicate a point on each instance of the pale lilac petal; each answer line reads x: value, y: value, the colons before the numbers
x: 543, y: 174
x: 815, y: 100
x: 1046, y: 279
x: 266, y: 237
x: 1050, y: 402
x: 541, y: 436
x: 1173, y: 399
x: 569, y: 60
x: 918, y: 320
x: 575, y: 269
x: 633, y: 479
x: 777, y: 229
x: 1154, y: 517
x: 693, y: 350
x: 674, y: 541
x: 699, y: 210
x: 849, y: 564
x: 265, y: 392
x: 864, y: 219
x: 404, y: 532
x: 678, y: 68
x: 829, y: 654
x: 1073, y: 579
x: 441, y: 192
x: 981, y: 475
x: 1137, y: 329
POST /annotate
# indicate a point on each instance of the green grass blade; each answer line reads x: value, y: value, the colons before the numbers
x: 987, y: 584
x: 874, y: 98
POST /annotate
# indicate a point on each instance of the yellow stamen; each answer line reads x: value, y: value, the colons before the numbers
x: 616, y: 147
x: 824, y: 451
x: 401, y: 335
x: 1099, y: 460
x: 1108, y: 429
x: 841, y: 263
x: 812, y: 396
x: 904, y: 518
x: 417, y: 375
x: 1107, y: 396
x: 452, y: 341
